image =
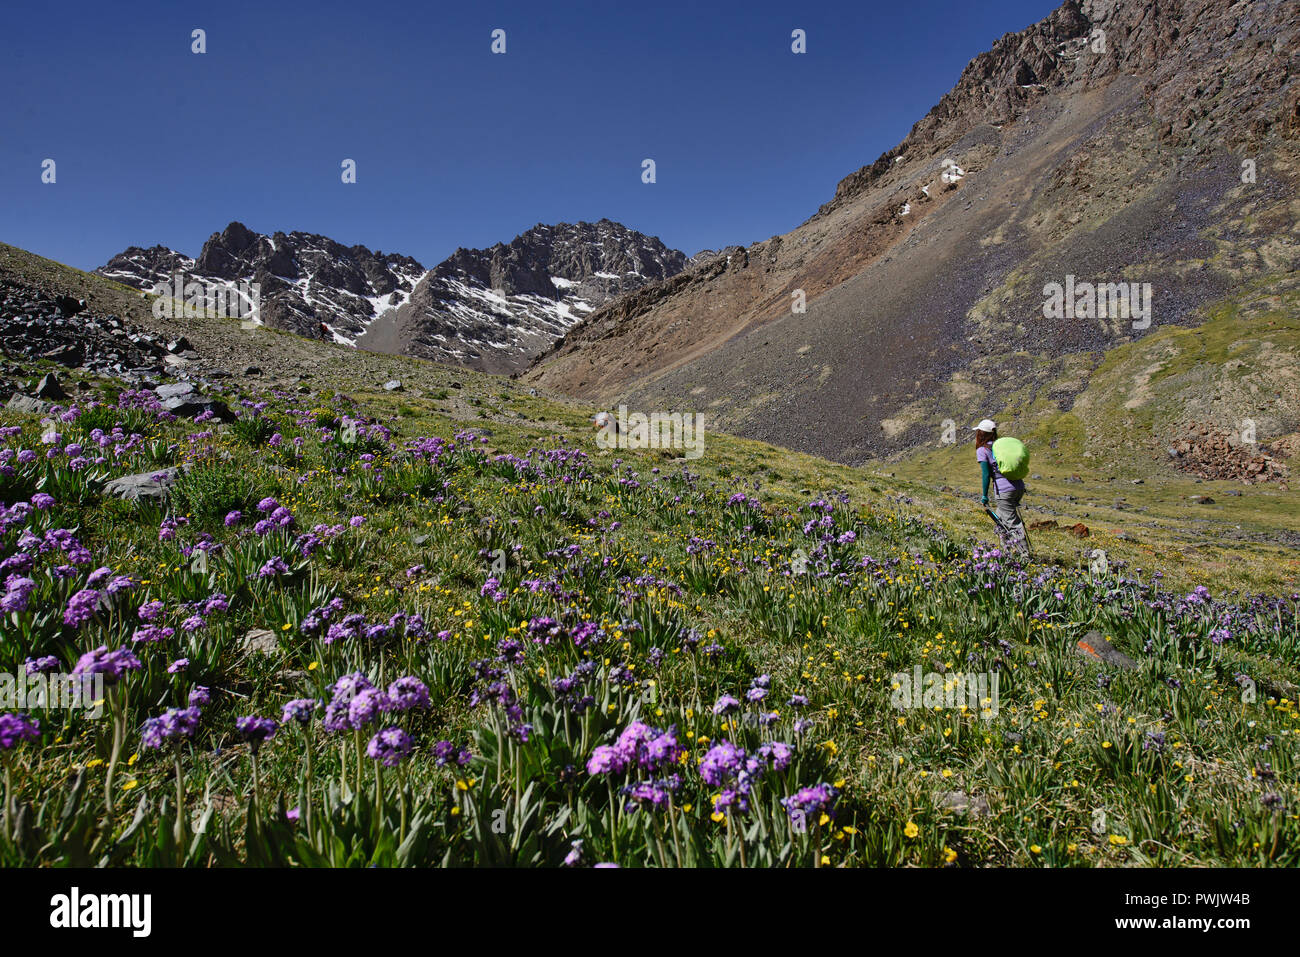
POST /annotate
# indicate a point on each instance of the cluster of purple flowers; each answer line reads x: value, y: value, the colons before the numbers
x: 151, y: 610
x: 312, y: 622
x: 81, y: 607
x: 167, y: 530
x: 299, y: 710
x: 639, y: 747
x: 18, y: 592
x: 151, y: 634
x: 115, y: 583
x: 726, y: 705
x: 810, y: 803
x: 356, y: 703
x: 571, y: 691
x: 735, y: 771
x: 276, y: 516
x: 408, y: 693
x: 492, y: 590
x: 41, y: 666
x: 17, y: 728
x: 275, y: 567
x: 174, y: 724
x: 256, y: 731
x: 355, y: 625
x: 500, y: 693
x: 79, y: 456
x: 196, y: 617
x: 113, y: 665
x: 445, y: 753
x: 309, y: 542
x: 822, y: 519
x: 390, y: 746
x: 652, y: 754
x: 544, y: 629
x: 698, y: 545
x: 653, y: 794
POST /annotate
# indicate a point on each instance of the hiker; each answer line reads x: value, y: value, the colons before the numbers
x: 1006, y: 492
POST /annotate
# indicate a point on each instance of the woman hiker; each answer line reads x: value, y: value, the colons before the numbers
x: 1006, y: 492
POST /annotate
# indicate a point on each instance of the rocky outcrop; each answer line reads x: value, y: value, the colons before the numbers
x: 143, y: 268
x: 492, y: 309
x: 1210, y: 454
x: 35, y: 324
x: 309, y: 284
x: 1206, y: 64
x: 496, y: 309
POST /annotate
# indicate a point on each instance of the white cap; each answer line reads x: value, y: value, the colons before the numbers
x: 987, y: 425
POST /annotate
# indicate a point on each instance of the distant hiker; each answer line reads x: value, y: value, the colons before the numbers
x: 1007, y: 492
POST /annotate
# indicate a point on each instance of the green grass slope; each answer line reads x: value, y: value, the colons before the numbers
x: 628, y: 656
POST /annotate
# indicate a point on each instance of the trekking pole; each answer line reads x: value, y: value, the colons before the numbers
x: 996, y: 521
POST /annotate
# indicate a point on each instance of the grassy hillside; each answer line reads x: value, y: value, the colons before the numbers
x: 1099, y: 426
x: 635, y: 589
x: 598, y: 656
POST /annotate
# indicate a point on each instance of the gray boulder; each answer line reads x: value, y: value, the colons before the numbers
x: 1096, y: 646
x: 25, y: 403
x: 50, y: 388
x: 193, y: 404
x: 152, y: 485
x: 261, y: 641
x: 962, y: 803
x: 173, y: 390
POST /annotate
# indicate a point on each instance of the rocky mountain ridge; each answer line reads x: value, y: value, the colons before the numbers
x: 1116, y: 140
x: 491, y: 309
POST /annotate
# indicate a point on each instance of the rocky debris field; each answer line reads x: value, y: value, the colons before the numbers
x: 1210, y: 454
x: 40, y: 325
x: 35, y: 324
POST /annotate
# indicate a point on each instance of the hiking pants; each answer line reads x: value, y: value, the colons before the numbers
x: 1007, y: 508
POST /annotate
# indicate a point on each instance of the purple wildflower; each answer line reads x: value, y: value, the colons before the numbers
x: 256, y: 730
x: 81, y: 607
x: 17, y: 728
x: 407, y: 693
x: 389, y: 747
x: 300, y: 710
x: 113, y: 665
x: 173, y: 724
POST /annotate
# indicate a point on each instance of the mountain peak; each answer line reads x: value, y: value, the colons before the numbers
x: 1114, y: 140
x: 496, y: 307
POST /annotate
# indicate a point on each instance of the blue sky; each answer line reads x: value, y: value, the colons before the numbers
x: 456, y: 146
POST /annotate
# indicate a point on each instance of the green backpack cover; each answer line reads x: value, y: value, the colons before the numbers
x: 1012, y: 457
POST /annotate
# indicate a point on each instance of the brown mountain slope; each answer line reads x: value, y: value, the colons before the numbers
x: 1104, y: 143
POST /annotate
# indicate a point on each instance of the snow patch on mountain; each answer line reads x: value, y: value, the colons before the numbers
x: 493, y: 309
